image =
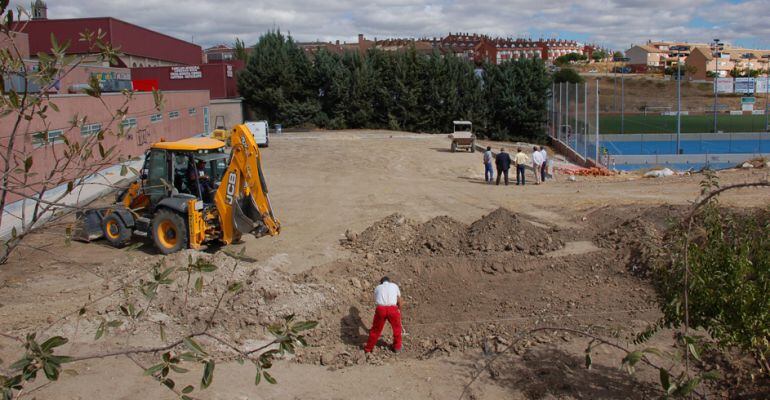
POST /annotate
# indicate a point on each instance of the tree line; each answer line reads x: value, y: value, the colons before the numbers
x: 403, y: 90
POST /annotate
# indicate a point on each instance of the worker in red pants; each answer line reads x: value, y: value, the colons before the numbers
x: 387, y: 296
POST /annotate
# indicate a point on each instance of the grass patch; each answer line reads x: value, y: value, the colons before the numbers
x: 610, y: 124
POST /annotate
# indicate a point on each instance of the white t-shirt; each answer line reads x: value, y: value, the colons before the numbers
x: 537, y: 157
x: 386, y: 294
x: 544, y: 152
x: 488, y: 157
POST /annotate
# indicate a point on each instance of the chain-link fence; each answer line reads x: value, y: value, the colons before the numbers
x: 611, y: 118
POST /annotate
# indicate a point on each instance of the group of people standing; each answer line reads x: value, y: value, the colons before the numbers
x: 520, y: 160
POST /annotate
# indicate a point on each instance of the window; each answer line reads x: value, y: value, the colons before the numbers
x: 128, y: 123
x: 173, y: 114
x: 41, y: 139
x: 192, y: 111
x: 156, y: 118
x: 90, y: 129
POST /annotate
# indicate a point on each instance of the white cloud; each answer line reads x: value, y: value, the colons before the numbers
x: 615, y: 23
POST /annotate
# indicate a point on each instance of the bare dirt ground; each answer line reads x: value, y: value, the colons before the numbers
x: 477, y: 264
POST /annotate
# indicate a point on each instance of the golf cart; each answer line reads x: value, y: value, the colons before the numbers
x: 463, y: 137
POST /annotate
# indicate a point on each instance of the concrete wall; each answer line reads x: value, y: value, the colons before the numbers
x: 187, y: 120
x: 229, y: 109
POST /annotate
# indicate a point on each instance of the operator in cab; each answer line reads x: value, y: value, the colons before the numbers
x: 198, y: 176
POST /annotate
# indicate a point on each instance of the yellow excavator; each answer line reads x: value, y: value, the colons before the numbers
x: 191, y: 192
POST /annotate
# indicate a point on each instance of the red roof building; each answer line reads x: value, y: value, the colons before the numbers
x: 141, y: 47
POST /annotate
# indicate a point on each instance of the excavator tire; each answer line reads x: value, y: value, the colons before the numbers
x: 169, y: 231
x: 115, y: 231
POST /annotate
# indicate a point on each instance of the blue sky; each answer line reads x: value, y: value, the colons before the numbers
x: 612, y: 23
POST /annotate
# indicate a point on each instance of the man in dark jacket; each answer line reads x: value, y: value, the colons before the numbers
x: 503, y: 164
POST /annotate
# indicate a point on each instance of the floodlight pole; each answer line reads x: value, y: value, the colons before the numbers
x: 577, y: 113
x: 678, y: 103
x: 717, y: 56
x: 767, y: 89
x: 622, y: 101
x: 597, y: 123
x: 566, y: 113
x: 553, y: 109
x: 585, y: 118
x: 561, y: 103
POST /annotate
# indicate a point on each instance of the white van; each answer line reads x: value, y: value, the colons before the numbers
x: 260, y: 131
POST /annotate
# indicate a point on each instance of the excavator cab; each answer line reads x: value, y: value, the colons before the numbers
x: 190, y: 192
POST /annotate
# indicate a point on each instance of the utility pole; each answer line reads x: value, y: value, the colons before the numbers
x: 553, y: 109
x: 585, y: 118
x: 577, y: 113
x: 566, y: 115
x: 558, y: 122
x: 622, y: 104
x: 767, y: 89
x: 678, y: 100
x: 717, y: 54
x: 622, y: 94
x: 597, y: 123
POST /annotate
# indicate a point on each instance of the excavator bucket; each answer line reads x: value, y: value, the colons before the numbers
x: 246, y: 217
x: 88, y: 226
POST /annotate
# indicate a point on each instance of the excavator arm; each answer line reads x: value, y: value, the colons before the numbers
x: 241, y: 199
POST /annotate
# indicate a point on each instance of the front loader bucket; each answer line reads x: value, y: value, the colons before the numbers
x: 246, y: 217
x: 88, y: 226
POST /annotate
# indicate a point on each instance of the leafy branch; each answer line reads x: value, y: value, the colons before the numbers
x: 176, y: 357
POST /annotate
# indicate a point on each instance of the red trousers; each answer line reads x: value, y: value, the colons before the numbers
x: 392, y: 314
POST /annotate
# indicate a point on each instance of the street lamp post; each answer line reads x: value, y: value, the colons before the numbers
x: 678, y: 100
x: 622, y: 94
x: 767, y: 89
x: 717, y: 55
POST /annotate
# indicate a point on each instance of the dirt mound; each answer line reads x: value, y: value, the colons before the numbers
x: 640, y: 232
x: 503, y: 230
x: 441, y: 235
x: 392, y: 233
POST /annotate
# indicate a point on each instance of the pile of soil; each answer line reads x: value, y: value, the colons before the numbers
x: 641, y: 234
x: 504, y: 230
x: 501, y: 230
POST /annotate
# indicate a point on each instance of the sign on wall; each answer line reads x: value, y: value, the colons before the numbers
x: 725, y: 85
x: 747, y: 103
x: 744, y: 85
x: 229, y: 71
x: 188, y: 72
x: 110, y: 76
x: 762, y: 85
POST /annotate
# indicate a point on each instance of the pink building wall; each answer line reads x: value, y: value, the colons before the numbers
x: 137, y: 139
x: 21, y: 40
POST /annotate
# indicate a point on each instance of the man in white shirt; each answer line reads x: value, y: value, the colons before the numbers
x: 537, y: 163
x: 544, y: 166
x: 488, y: 158
x: 387, y: 297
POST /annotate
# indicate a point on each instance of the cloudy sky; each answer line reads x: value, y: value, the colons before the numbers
x: 613, y: 23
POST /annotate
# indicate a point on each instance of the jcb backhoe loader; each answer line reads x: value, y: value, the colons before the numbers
x: 190, y: 192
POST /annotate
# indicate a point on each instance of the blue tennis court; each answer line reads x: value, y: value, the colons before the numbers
x: 689, y: 146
